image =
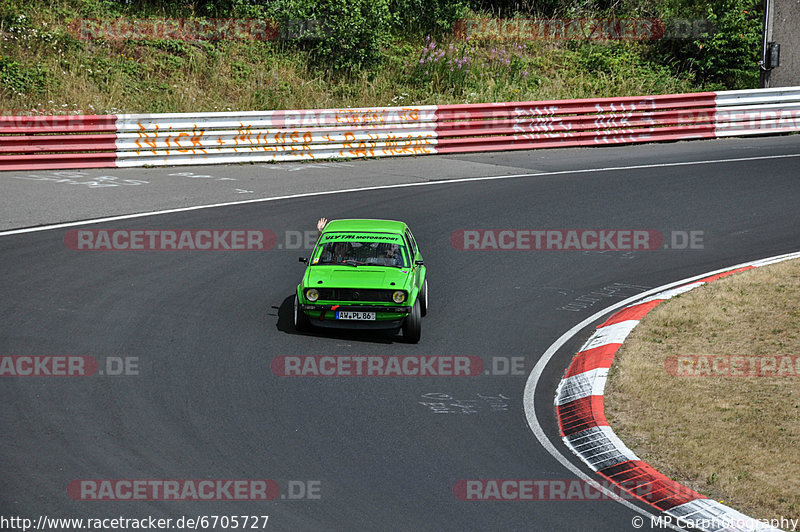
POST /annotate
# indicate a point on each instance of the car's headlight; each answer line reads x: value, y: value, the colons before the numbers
x: 312, y: 294
x: 399, y: 296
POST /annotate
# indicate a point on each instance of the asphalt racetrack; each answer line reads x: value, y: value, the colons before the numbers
x: 200, y: 329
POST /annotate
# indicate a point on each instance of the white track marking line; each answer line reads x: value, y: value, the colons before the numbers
x: 383, y: 187
x: 536, y: 373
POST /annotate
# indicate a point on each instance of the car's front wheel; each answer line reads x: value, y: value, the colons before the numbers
x: 301, y: 321
x: 412, y: 326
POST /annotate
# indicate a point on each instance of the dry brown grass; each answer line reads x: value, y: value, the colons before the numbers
x: 734, y: 439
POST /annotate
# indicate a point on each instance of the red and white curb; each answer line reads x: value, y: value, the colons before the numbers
x: 584, y: 429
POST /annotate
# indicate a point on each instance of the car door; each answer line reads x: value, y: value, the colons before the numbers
x: 419, y: 271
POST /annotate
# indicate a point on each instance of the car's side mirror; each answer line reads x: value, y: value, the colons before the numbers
x: 419, y: 262
x: 303, y: 259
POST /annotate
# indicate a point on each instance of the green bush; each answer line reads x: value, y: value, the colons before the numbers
x: 610, y: 58
x: 728, y: 57
x: 22, y: 79
x: 426, y: 16
x: 350, y: 35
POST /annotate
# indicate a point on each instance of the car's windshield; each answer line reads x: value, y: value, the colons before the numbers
x: 369, y: 250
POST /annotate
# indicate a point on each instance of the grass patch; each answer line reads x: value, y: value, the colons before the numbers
x: 734, y: 439
x: 45, y: 68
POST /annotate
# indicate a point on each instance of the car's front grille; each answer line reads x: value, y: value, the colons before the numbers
x: 355, y: 294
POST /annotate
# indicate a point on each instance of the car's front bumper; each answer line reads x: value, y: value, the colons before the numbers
x: 386, y: 317
x: 394, y: 309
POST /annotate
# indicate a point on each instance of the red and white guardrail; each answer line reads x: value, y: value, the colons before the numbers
x: 44, y: 142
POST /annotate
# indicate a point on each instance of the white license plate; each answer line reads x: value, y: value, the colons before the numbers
x: 354, y: 315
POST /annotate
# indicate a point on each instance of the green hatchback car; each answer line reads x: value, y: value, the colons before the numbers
x: 364, y: 274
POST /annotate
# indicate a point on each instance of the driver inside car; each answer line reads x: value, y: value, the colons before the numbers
x: 339, y: 252
x: 393, y: 253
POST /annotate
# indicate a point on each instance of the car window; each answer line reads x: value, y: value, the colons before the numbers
x: 412, y: 243
x: 361, y: 251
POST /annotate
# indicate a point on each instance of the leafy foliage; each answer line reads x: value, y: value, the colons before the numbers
x: 420, y: 16
x: 730, y: 55
x: 22, y: 79
x: 358, y: 52
x: 724, y: 58
x: 350, y: 33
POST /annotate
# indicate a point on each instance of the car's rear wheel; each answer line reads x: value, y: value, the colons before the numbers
x: 412, y: 326
x: 423, y: 296
x: 301, y: 321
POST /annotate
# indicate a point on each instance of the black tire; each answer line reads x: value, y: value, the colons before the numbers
x: 301, y: 321
x: 423, y: 297
x: 412, y: 326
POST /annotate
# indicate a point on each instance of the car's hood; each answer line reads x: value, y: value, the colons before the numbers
x: 357, y: 277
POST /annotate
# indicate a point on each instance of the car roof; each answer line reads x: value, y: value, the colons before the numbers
x: 365, y: 226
